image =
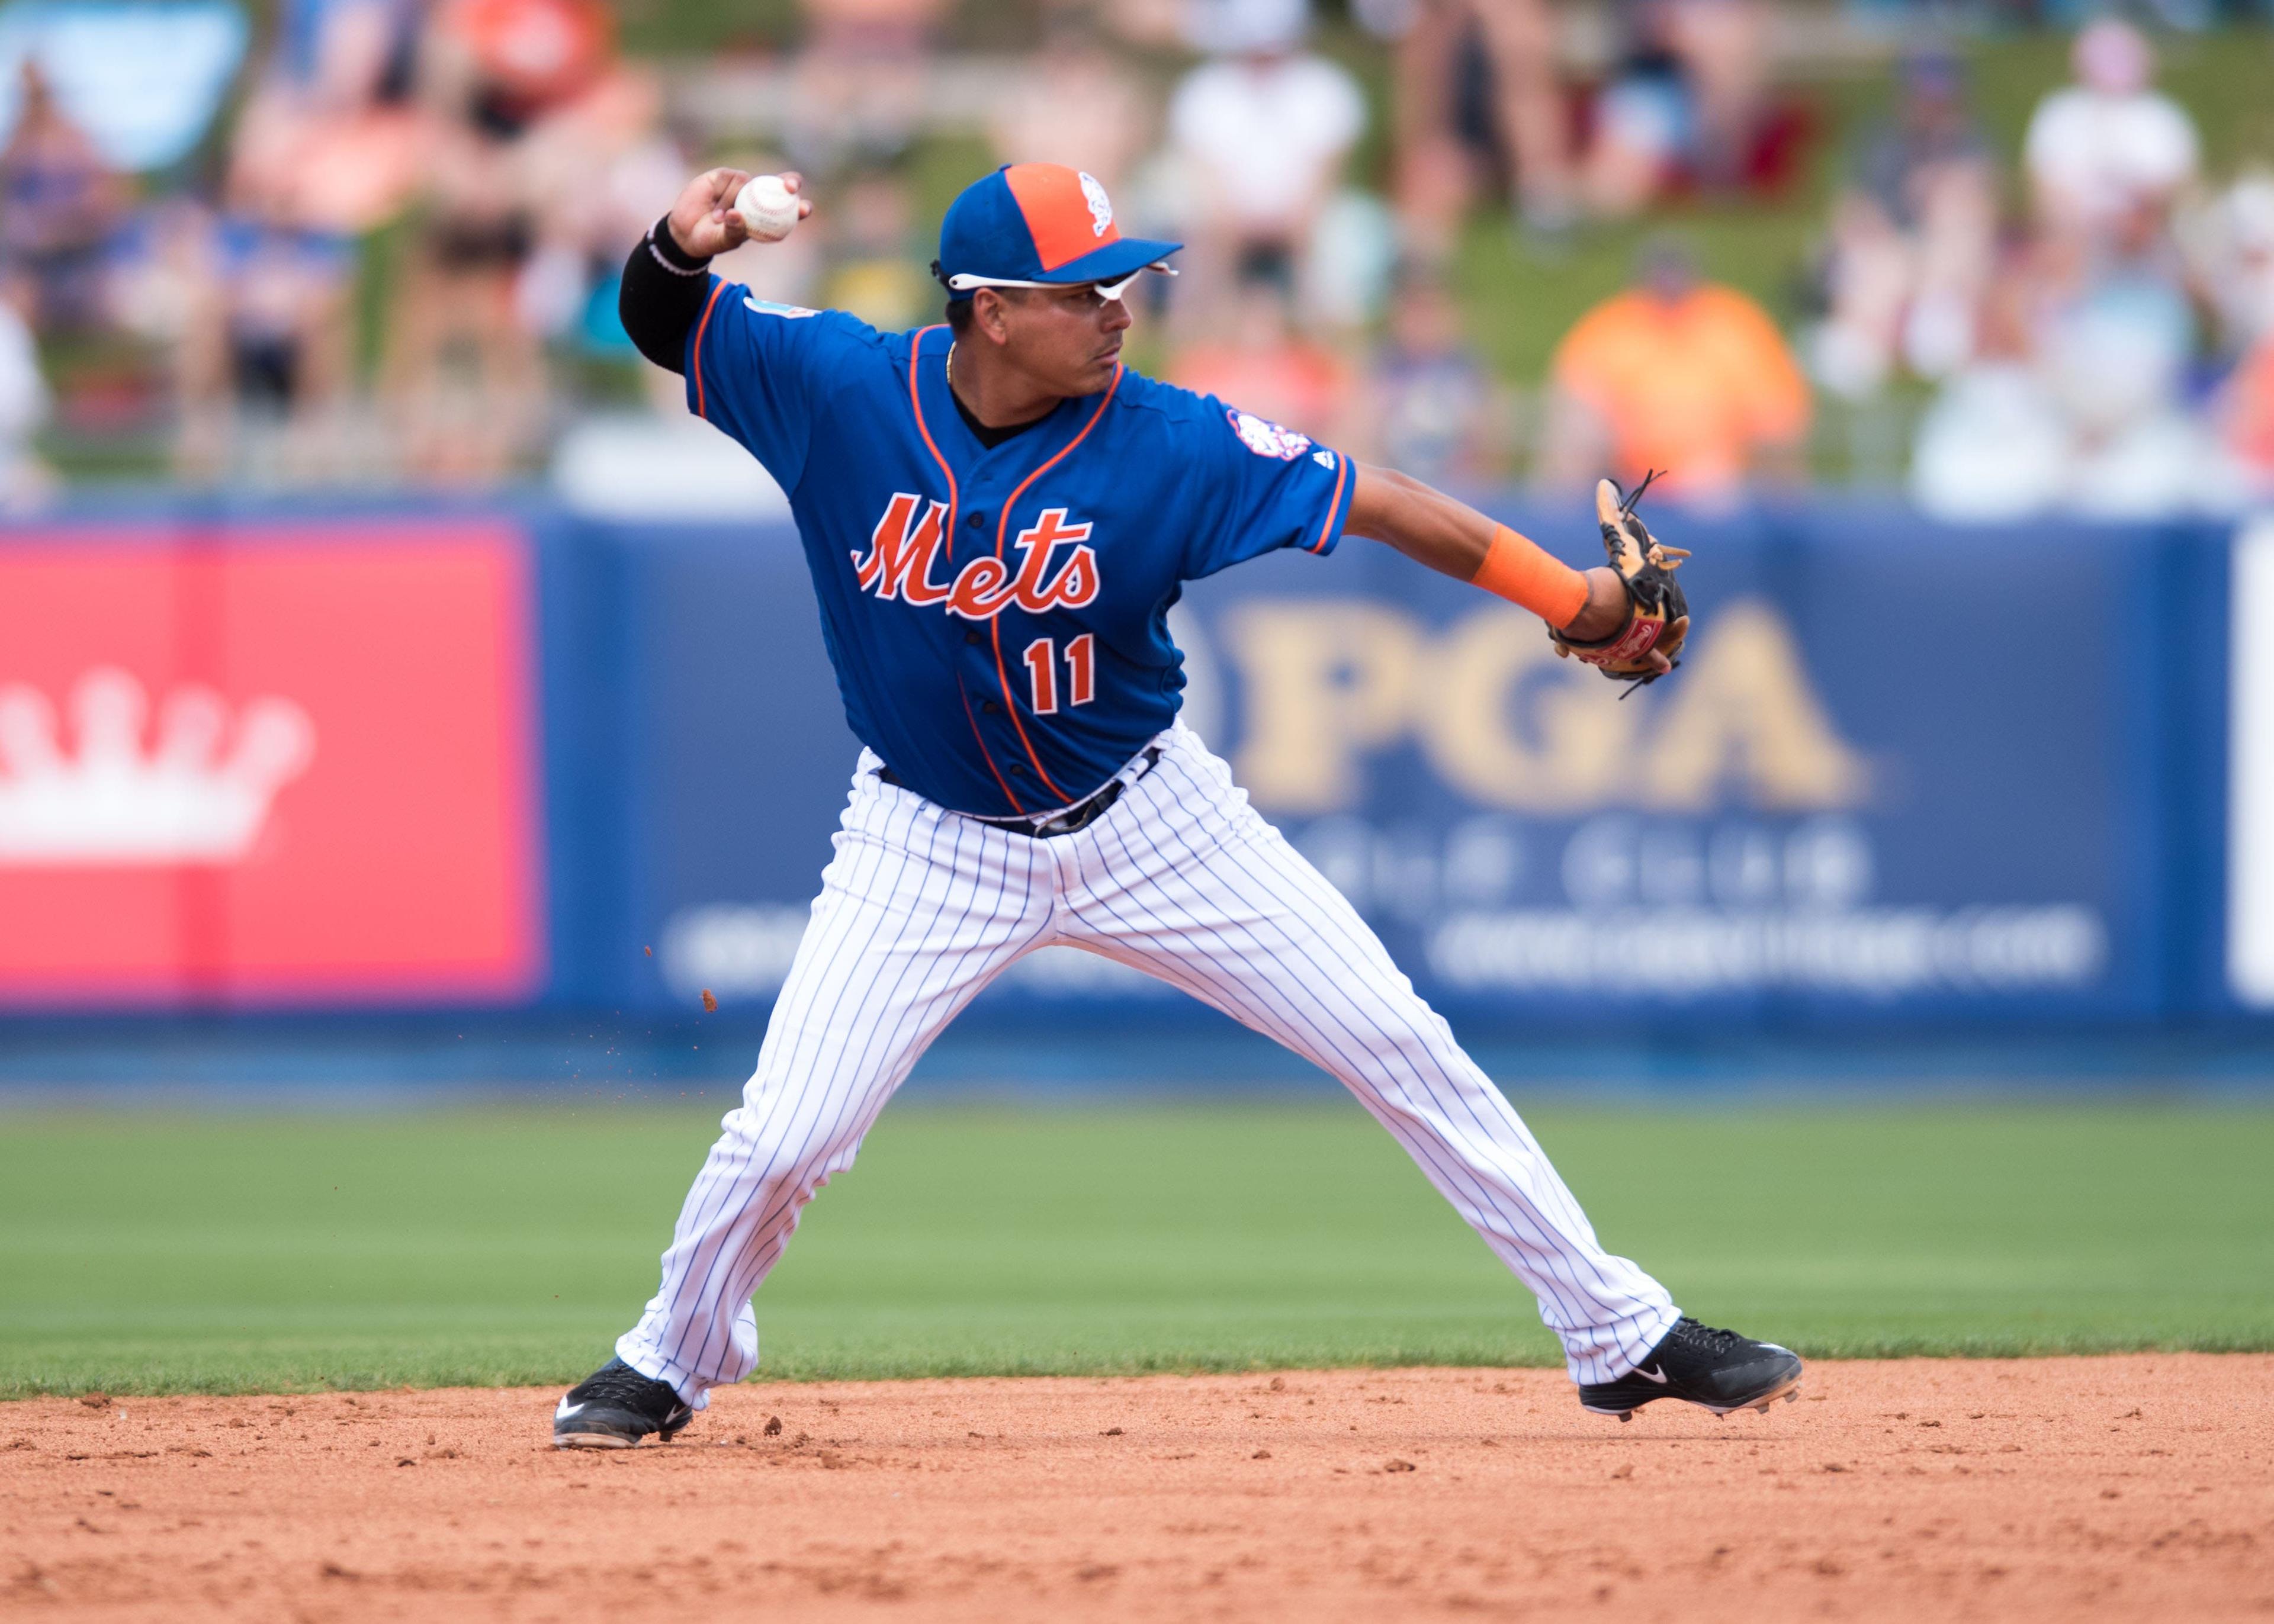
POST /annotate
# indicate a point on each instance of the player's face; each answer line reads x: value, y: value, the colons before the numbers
x: 1067, y: 339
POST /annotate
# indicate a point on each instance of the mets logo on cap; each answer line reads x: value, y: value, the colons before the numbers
x: 1101, y: 206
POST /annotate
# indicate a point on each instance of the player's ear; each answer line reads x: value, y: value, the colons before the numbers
x: 991, y: 314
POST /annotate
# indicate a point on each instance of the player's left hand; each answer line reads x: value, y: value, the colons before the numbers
x: 1638, y: 634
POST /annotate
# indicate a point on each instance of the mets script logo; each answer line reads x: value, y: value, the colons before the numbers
x: 898, y: 565
x: 1101, y: 206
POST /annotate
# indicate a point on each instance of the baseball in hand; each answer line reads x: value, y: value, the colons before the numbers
x: 768, y: 208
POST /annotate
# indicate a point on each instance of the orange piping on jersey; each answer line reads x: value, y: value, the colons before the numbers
x: 915, y: 405
x: 987, y: 754
x: 1002, y: 533
x: 712, y: 304
x: 1342, y: 473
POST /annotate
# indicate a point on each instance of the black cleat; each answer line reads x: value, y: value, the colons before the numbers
x: 616, y: 1407
x: 1720, y: 1370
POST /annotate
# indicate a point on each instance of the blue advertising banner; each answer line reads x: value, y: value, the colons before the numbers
x: 1908, y: 775
x: 1906, y: 772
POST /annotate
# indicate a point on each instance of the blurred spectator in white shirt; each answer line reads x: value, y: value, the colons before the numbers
x: 1261, y: 134
x: 1994, y: 445
x: 1913, y: 237
x: 2231, y: 244
x: 2108, y: 145
x: 2078, y: 401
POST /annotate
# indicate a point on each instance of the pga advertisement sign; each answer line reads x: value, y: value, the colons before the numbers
x: 307, y: 763
x: 1815, y: 817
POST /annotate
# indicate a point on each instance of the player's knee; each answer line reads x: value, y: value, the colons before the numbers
x: 787, y: 1147
x: 754, y: 1142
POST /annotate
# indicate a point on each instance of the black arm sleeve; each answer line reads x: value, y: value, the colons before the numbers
x: 661, y: 296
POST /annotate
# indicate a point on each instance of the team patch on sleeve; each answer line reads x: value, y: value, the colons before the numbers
x: 768, y: 307
x: 1266, y: 439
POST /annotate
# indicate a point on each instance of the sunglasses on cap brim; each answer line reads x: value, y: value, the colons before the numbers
x: 965, y: 282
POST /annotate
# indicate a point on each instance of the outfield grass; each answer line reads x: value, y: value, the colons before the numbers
x: 221, y: 1253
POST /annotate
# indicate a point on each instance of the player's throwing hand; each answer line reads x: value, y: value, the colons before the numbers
x: 704, y: 222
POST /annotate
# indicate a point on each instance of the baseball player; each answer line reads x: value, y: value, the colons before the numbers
x: 998, y: 515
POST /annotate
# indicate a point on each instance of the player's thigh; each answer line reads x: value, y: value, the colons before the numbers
x: 1244, y: 921
x: 919, y: 909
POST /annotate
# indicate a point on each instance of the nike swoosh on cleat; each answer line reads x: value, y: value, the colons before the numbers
x: 1657, y: 1376
x: 564, y: 1410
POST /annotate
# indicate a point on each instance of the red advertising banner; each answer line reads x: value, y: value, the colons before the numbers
x: 267, y: 765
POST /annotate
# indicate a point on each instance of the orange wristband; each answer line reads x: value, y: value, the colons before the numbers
x: 1517, y: 570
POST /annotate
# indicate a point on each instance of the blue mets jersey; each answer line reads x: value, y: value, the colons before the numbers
x: 998, y: 618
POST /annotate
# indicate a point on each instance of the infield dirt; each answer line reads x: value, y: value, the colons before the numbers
x: 2137, y: 1487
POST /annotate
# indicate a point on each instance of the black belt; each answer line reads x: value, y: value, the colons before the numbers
x: 1080, y: 815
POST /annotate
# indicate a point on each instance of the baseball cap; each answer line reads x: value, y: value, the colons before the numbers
x: 1031, y: 225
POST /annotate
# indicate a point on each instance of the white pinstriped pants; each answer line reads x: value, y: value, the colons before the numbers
x: 1181, y: 878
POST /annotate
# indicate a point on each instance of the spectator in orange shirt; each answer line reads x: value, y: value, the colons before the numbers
x: 1676, y: 374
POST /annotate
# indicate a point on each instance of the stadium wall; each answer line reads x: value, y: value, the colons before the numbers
x: 297, y: 759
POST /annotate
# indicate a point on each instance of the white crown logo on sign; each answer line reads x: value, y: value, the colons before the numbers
x: 199, y: 793
x: 1101, y: 206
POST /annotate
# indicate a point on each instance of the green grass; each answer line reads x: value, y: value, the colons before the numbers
x: 140, y: 1253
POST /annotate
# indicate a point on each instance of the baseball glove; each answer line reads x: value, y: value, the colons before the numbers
x: 1658, y: 616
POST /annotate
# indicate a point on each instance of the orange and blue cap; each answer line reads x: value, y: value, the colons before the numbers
x: 1031, y: 225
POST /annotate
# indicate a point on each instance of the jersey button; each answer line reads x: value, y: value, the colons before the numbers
x: 1018, y: 771
x: 972, y: 637
x: 991, y: 707
x: 977, y: 521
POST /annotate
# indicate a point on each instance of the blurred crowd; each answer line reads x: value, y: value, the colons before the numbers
x: 375, y: 242
x: 2108, y: 346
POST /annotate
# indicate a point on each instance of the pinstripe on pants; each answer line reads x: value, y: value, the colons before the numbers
x: 1181, y: 878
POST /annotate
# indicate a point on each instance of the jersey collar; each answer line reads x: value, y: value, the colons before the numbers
x: 954, y: 438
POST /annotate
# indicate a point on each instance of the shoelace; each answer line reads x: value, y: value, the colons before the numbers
x: 620, y: 1386
x: 1709, y: 1339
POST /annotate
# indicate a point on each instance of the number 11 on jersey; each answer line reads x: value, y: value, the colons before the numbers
x: 1043, y: 673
